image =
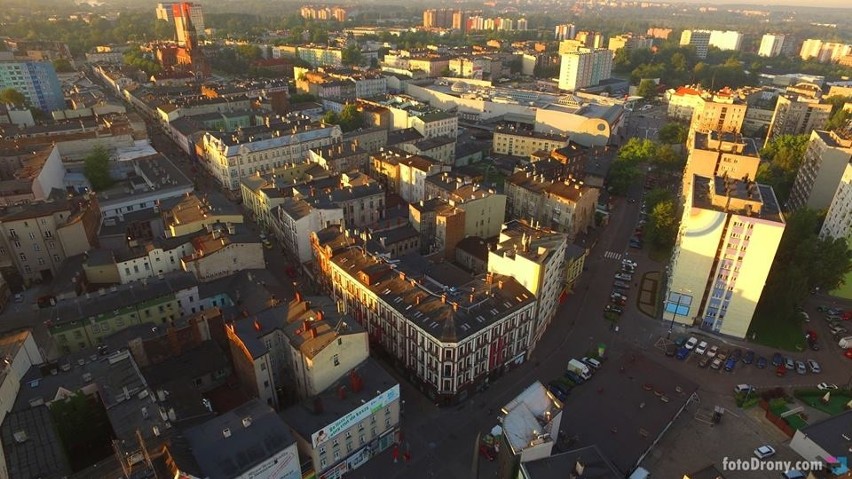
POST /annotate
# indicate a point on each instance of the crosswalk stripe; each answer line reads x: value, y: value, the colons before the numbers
x: 612, y: 255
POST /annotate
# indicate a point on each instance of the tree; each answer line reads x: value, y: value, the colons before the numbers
x: 350, y: 118
x: 663, y: 224
x: 331, y: 118
x: 13, y: 97
x: 352, y: 56
x: 673, y: 134
x: 622, y: 174
x: 667, y: 158
x: 782, y: 159
x: 637, y: 150
x: 96, y: 168
x: 62, y: 65
x: 647, y: 89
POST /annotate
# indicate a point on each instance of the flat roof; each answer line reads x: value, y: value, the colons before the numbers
x: 636, y: 413
x: 528, y: 418
x: 737, y: 197
x: 32, y: 446
x: 829, y: 433
x: 304, y: 418
x: 221, y: 457
x: 535, y: 244
x: 560, y: 466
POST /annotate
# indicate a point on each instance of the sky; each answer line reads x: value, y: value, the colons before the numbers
x: 791, y: 3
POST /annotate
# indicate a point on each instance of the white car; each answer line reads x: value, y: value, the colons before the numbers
x: 764, y: 452
x: 711, y: 353
x: 691, y: 342
x: 827, y: 387
x: 701, y: 348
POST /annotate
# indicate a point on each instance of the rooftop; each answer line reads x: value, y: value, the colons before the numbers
x: 528, y: 419
x: 192, y: 208
x: 640, y: 401
x: 447, y: 313
x: 434, y: 142
x: 32, y: 446
x: 340, y: 150
x: 254, y: 434
x: 736, y: 196
x: 832, y: 434
x: 725, y: 142
x: 535, y: 244
x: 406, y: 135
x: 508, y: 129
x: 306, y: 420
x: 587, y: 462
x: 152, y: 174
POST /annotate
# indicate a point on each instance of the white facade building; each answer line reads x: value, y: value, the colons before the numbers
x: 771, y: 45
x: 584, y: 68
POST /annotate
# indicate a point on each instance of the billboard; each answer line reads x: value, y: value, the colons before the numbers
x: 355, y: 416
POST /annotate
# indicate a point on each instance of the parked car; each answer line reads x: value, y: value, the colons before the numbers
x: 628, y: 262
x: 800, y: 367
x: 737, y: 354
x: 722, y: 354
x: 621, y: 284
x: 574, y: 377
x: 730, y: 364
x: 711, y: 353
x: 621, y: 291
x: 749, y: 357
x: 624, y: 276
x: 805, y: 317
x: 691, y: 342
x: 780, y: 371
x: 764, y: 452
x: 635, y: 244
x: 680, y: 341
x: 827, y: 387
x: 716, y: 364
x: 814, y: 345
x: 611, y: 308
x: 705, y: 361
x: 813, y: 366
x: 558, y: 390
x: 777, y: 359
x: 761, y: 362
x: 744, y: 388
x: 682, y: 353
x: 789, y: 364
x: 594, y: 363
x: 701, y: 348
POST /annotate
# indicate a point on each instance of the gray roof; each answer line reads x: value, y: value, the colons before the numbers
x: 829, y: 433
x: 304, y: 419
x: 41, y: 454
x: 125, y: 295
x: 560, y: 466
x: 221, y: 457
x: 207, y: 358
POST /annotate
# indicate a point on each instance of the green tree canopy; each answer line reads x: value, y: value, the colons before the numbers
x: 96, y: 168
x: 83, y: 428
x: 637, y: 150
x: 663, y: 223
x: 13, y: 97
x: 62, y: 65
x: 673, y: 134
x: 349, y: 118
x: 352, y: 56
x: 782, y: 158
x: 647, y: 88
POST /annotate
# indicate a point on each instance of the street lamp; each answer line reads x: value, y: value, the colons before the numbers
x: 684, y: 298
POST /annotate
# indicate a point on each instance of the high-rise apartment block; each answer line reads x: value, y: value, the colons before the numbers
x: 771, y: 45
x: 36, y: 80
x: 585, y: 67
x: 730, y: 231
x: 824, y: 52
x: 323, y: 13
x: 590, y: 39
x: 438, y: 18
x: 661, y: 33
x: 564, y: 32
x: 700, y: 39
x: 797, y: 115
x: 703, y: 39
x: 712, y: 154
x: 823, y: 167
x: 460, y: 20
x: 723, y: 112
x: 838, y: 220
x: 629, y: 41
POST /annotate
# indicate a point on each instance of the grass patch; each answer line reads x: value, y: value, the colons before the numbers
x: 782, y: 331
x: 836, y: 404
x: 794, y: 420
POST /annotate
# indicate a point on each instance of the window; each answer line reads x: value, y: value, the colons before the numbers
x: 27, y: 269
x: 41, y: 261
x: 17, y: 244
x: 361, y: 439
x: 387, y: 422
x: 23, y: 257
x: 36, y: 247
x: 336, y: 360
x: 322, y: 450
x: 322, y: 463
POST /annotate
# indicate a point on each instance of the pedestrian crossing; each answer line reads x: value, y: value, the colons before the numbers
x: 613, y: 255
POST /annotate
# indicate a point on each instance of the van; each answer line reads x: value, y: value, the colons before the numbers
x: 743, y: 388
x: 579, y: 368
x: 846, y: 342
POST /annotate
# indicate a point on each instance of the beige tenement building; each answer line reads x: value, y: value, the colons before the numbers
x: 536, y: 257
x: 823, y: 166
x: 510, y: 140
x: 714, y: 154
x: 723, y: 112
x: 729, y: 234
x: 797, y: 115
x: 565, y: 206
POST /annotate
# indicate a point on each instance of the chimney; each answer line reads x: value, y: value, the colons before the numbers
x: 500, y: 284
x: 356, y: 383
x: 579, y: 467
x: 247, y: 421
x: 402, y: 275
x: 226, y: 432
x: 298, y: 297
x: 489, y: 278
x: 417, y: 299
x: 306, y: 325
x: 341, y: 392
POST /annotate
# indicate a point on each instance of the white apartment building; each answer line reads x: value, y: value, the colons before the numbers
x: 585, y: 67
x: 838, y: 220
x: 564, y: 32
x: 730, y: 231
x: 824, y: 52
x: 234, y: 155
x: 295, y: 219
x: 771, y: 45
x: 797, y: 115
x: 435, y: 124
x: 726, y: 40
x: 536, y: 257
x: 823, y: 166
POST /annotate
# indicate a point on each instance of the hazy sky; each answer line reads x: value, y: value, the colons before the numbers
x: 791, y: 3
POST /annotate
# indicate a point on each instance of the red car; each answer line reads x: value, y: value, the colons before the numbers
x: 486, y: 452
x: 848, y: 353
x: 781, y: 371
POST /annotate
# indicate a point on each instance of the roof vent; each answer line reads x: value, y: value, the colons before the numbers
x: 226, y: 432
x: 247, y: 421
x: 20, y: 436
